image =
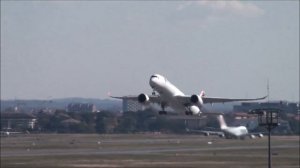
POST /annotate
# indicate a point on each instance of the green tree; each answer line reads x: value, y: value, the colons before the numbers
x: 127, y: 123
x: 295, y: 126
x: 144, y: 119
x: 102, y: 121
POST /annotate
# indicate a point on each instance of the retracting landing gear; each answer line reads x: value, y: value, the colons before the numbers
x: 188, y: 113
x: 163, y: 112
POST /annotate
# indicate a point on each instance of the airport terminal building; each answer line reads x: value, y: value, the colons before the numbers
x: 285, y: 106
x: 81, y: 107
x: 17, y: 121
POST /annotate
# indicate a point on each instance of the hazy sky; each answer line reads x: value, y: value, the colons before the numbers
x: 87, y: 49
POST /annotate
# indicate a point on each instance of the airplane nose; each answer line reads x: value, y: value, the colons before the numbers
x: 153, y: 81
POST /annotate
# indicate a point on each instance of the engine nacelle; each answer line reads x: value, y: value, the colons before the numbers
x: 194, y: 110
x: 260, y: 135
x: 196, y: 99
x: 143, y: 98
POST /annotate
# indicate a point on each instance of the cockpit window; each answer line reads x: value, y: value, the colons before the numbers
x: 154, y: 76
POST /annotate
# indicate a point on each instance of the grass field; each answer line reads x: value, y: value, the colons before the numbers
x: 145, y: 150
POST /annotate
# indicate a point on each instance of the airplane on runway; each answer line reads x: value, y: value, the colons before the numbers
x: 7, y: 133
x: 170, y: 95
x: 239, y: 132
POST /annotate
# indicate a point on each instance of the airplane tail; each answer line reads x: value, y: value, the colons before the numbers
x: 202, y: 93
x: 222, y: 122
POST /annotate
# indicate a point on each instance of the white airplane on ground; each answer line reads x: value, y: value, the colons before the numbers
x: 7, y: 133
x: 239, y: 132
x: 170, y: 95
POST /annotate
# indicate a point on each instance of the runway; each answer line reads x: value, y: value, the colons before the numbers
x: 152, y: 150
x: 100, y: 151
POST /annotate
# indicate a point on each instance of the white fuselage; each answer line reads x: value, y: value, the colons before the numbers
x: 235, y: 131
x: 168, y: 93
x: 231, y: 132
x: 170, y: 96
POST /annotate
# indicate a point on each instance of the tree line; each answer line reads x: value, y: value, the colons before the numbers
x: 127, y: 122
x: 106, y: 122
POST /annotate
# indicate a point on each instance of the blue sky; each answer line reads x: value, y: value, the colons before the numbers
x: 87, y: 49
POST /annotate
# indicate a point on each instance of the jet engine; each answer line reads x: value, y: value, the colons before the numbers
x: 143, y: 98
x: 260, y: 135
x: 193, y: 110
x: 196, y: 99
x: 252, y: 136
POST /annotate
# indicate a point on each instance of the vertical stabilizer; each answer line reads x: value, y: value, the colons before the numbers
x: 222, y: 122
x: 202, y: 93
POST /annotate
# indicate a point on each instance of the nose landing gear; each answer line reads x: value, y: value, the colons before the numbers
x: 153, y: 93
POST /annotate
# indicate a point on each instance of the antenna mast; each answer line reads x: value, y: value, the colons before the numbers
x: 268, y: 90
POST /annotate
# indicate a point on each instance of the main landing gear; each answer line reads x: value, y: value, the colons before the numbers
x: 163, y: 112
x: 188, y: 113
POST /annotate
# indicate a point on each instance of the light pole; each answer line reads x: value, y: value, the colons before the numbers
x: 267, y: 117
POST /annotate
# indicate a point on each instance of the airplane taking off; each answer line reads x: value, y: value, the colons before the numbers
x: 170, y: 95
x: 240, y: 132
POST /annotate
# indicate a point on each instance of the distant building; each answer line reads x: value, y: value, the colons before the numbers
x: 246, y: 106
x: 297, y: 117
x: 81, y: 107
x: 283, y: 128
x: 17, y: 121
x: 283, y: 105
x: 242, y: 115
x: 70, y: 121
x: 190, y: 122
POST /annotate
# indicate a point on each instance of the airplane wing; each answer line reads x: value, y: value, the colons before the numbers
x: 224, y: 100
x: 186, y: 100
x: 152, y: 99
